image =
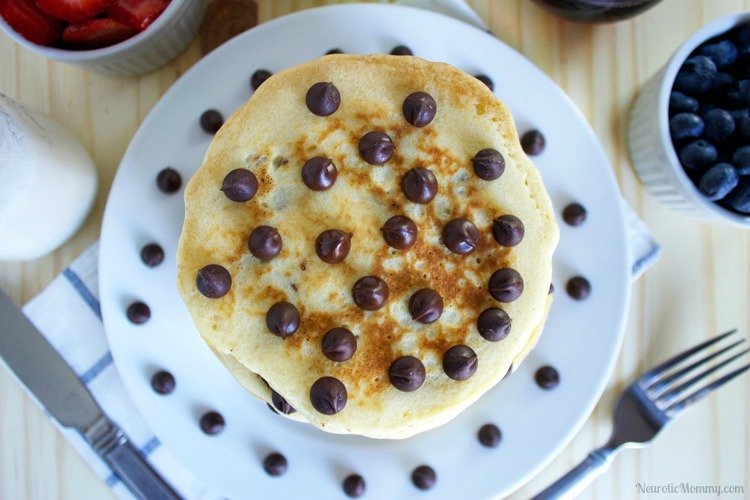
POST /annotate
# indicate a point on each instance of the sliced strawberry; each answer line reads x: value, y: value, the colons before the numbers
x: 30, y: 22
x: 137, y: 13
x: 97, y: 33
x: 74, y: 11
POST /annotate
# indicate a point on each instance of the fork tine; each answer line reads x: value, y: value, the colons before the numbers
x: 662, y: 383
x: 651, y: 375
x: 704, y: 391
x: 669, y: 396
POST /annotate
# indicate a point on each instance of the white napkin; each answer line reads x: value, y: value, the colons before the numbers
x: 67, y: 312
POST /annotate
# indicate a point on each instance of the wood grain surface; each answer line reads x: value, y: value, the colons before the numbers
x: 699, y: 287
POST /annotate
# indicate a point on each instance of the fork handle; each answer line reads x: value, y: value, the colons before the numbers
x: 574, y: 482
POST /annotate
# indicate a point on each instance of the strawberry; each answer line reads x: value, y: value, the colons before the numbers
x: 30, y: 22
x: 97, y: 33
x: 73, y: 11
x: 137, y: 13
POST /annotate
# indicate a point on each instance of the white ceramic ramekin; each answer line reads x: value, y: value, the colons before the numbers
x: 157, y: 45
x: 651, y: 150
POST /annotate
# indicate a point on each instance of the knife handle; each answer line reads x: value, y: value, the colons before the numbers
x: 137, y: 474
x: 127, y: 462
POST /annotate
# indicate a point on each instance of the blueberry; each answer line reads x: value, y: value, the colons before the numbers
x: 738, y: 94
x: 742, y: 39
x: 741, y: 160
x: 722, y: 82
x: 739, y: 198
x: 719, y: 126
x: 742, y: 122
x: 696, y: 76
x: 698, y: 155
x: 718, y: 181
x: 681, y: 103
x: 722, y: 53
x: 685, y: 126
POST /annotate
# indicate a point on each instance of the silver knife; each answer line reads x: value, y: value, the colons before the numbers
x: 53, y: 383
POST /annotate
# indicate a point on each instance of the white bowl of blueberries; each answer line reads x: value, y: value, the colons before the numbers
x: 689, y: 130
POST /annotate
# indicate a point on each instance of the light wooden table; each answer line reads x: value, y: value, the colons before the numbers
x: 700, y: 286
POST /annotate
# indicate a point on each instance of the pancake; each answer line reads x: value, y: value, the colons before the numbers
x: 434, y: 216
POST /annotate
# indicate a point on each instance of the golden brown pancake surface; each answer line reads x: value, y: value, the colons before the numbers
x: 273, y: 135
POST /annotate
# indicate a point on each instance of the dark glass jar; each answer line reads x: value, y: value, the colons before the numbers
x: 596, y: 10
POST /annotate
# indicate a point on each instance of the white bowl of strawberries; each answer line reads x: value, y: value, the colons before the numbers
x: 116, y: 37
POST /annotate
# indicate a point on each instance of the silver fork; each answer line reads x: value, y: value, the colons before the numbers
x: 646, y: 407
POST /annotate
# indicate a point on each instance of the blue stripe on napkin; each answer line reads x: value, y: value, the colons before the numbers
x: 83, y: 291
x: 98, y: 367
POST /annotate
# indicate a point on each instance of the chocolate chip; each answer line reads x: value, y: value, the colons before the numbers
x: 407, y: 373
x: 486, y: 80
x: 168, y: 180
x: 506, y: 285
x: 211, y: 121
x: 574, y: 214
x: 138, y: 313
x: 354, y: 485
x: 282, y: 319
x: 578, y: 288
x: 334, y: 51
x: 281, y: 404
x: 259, y: 77
x: 489, y: 164
x: 419, y: 109
x: 508, y: 230
x: 333, y: 245
x: 460, y: 362
x: 213, y: 281
x: 319, y: 173
x: 489, y: 435
x: 212, y: 423
x: 240, y: 185
x: 264, y: 242
x: 370, y: 293
x: 419, y: 185
x: 424, y: 477
x: 532, y: 142
x: 376, y: 147
x: 425, y: 306
x: 401, y: 50
x: 152, y: 255
x: 339, y: 344
x: 460, y: 236
x: 323, y: 99
x: 400, y: 232
x: 328, y: 395
x: 163, y: 382
x: 493, y: 324
x: 547, y: 377
x: 275, y: 464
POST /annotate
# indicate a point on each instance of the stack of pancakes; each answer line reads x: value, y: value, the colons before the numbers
x: 342, y: 188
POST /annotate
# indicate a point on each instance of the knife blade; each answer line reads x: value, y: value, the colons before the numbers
x: 56, y: 387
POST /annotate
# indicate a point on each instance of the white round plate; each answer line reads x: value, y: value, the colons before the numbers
x: 581, y: 339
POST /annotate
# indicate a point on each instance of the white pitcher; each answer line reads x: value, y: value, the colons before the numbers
x: 47, y: 183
